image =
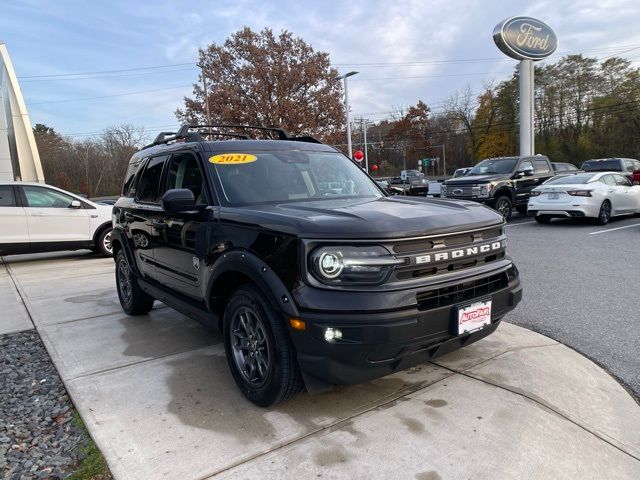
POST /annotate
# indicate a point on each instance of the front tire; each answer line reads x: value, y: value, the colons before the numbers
x: 133, y: 300
x: 604, y: 215
x: 259, y: 352
x: 504, y: 206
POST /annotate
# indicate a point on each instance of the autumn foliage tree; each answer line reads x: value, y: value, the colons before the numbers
x: 267, y: 80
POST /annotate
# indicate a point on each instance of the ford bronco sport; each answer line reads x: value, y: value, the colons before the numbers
x: 312, y: 273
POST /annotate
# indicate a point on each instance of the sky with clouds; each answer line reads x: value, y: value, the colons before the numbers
x: 404, y: 50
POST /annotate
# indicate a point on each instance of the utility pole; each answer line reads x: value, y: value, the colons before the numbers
x: 346, y: 108
x: 366, y: 155
x: 206, y: 94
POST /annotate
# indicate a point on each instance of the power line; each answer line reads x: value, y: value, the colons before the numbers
x: 55, y: 75
x: 110, y: 96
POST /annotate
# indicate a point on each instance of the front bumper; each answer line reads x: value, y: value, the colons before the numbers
x: 377, y: 344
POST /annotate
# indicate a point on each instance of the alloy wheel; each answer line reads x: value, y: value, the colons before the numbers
x: 250, y: 345
x: 106, y: 243
x: 124, y: 281
x: 605, y: 212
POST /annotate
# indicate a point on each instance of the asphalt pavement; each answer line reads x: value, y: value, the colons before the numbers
x: 582, y: 288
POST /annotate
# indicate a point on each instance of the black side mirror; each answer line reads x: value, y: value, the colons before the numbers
x: 178, y: 200
x: 528, y: 171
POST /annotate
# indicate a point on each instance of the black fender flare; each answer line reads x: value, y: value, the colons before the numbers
x: 259, y: 272
x: 505, y: 189
x: 118, y: 235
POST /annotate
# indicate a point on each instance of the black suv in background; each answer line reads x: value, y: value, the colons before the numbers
x: 503, y: 183
x: 311, y: 272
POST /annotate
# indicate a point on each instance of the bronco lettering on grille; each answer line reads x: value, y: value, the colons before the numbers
x: 459, y: 253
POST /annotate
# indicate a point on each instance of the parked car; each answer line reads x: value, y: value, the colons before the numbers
x: 104, y: 200
x: 590, y: 194
x: 560, y: 167
x: 310, y: 285
x: 461, y: 172
x: 42, y: 218
x: 626, y: 166
x: 410, y: 182
x: 502, y: 183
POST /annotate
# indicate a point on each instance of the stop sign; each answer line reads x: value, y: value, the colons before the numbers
x: 358, y: 155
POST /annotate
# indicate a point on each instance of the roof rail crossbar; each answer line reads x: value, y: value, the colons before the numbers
x: 220, y: 134
x: 282, y: 135
x: 304, y: 138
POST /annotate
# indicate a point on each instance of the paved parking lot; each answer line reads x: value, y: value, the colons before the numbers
x: 582, y: 284
x: 157, y: 396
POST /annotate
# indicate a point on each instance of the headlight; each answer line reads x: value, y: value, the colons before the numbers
x: 481, y: 190
x: 534, y: 193
x: 340, y: 265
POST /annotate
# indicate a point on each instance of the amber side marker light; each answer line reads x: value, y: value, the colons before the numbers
x: 297, y: 324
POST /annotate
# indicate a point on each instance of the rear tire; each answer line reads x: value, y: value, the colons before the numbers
x: 133, y: 300
x: 604, y: 215
x: 543, y: 219
x: 259, y: 352
x: 504, y: 206
x: 103, y: 243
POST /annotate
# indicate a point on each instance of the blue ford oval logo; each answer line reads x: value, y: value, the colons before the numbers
x: 525, y: 38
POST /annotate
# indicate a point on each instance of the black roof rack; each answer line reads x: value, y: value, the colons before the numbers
x: 282, y: 135
x: 184, y: 134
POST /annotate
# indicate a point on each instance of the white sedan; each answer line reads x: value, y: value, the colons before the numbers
x: 599, y: 195
x: 42, y: 218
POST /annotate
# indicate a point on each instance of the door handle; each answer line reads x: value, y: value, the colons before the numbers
x: 38, y: 214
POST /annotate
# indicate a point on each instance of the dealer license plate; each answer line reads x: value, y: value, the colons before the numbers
x: 554, y: 196
x: 474, y: 317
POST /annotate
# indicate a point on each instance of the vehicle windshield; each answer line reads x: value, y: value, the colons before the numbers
x: 579, y: 178
x: 602, y: 165
x: 253, y: 178
x: 493, y: 165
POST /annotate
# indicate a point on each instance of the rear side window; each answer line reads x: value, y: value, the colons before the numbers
x: 7, y: 198
x: 148, y: 187
x: 541, y: 166
x: 608, y: 179
x: 128, y: 179
x: 612, y: 164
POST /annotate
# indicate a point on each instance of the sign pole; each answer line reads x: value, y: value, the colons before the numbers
x: 526, y: 108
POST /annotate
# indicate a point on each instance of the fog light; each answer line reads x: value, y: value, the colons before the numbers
x: 332, y: 334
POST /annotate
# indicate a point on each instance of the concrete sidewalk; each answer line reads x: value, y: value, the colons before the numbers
x: 157, y: 397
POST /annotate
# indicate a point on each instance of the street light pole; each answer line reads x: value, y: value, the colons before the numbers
x: 346, y: 108
x: 206, y: 94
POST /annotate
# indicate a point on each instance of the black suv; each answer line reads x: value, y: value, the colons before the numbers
x: 502, y: 183
x: 311, y: 272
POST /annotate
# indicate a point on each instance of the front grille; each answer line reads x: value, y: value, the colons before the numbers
x: 460, y: 191
x: 447, y: 241
x: 448, y: 253
x: 446, y: 296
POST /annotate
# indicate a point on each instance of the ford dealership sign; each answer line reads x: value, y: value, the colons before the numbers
x: 525, y: 38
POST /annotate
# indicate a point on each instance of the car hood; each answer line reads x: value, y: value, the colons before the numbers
x: 476, y: 179
x: 388, y: 217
